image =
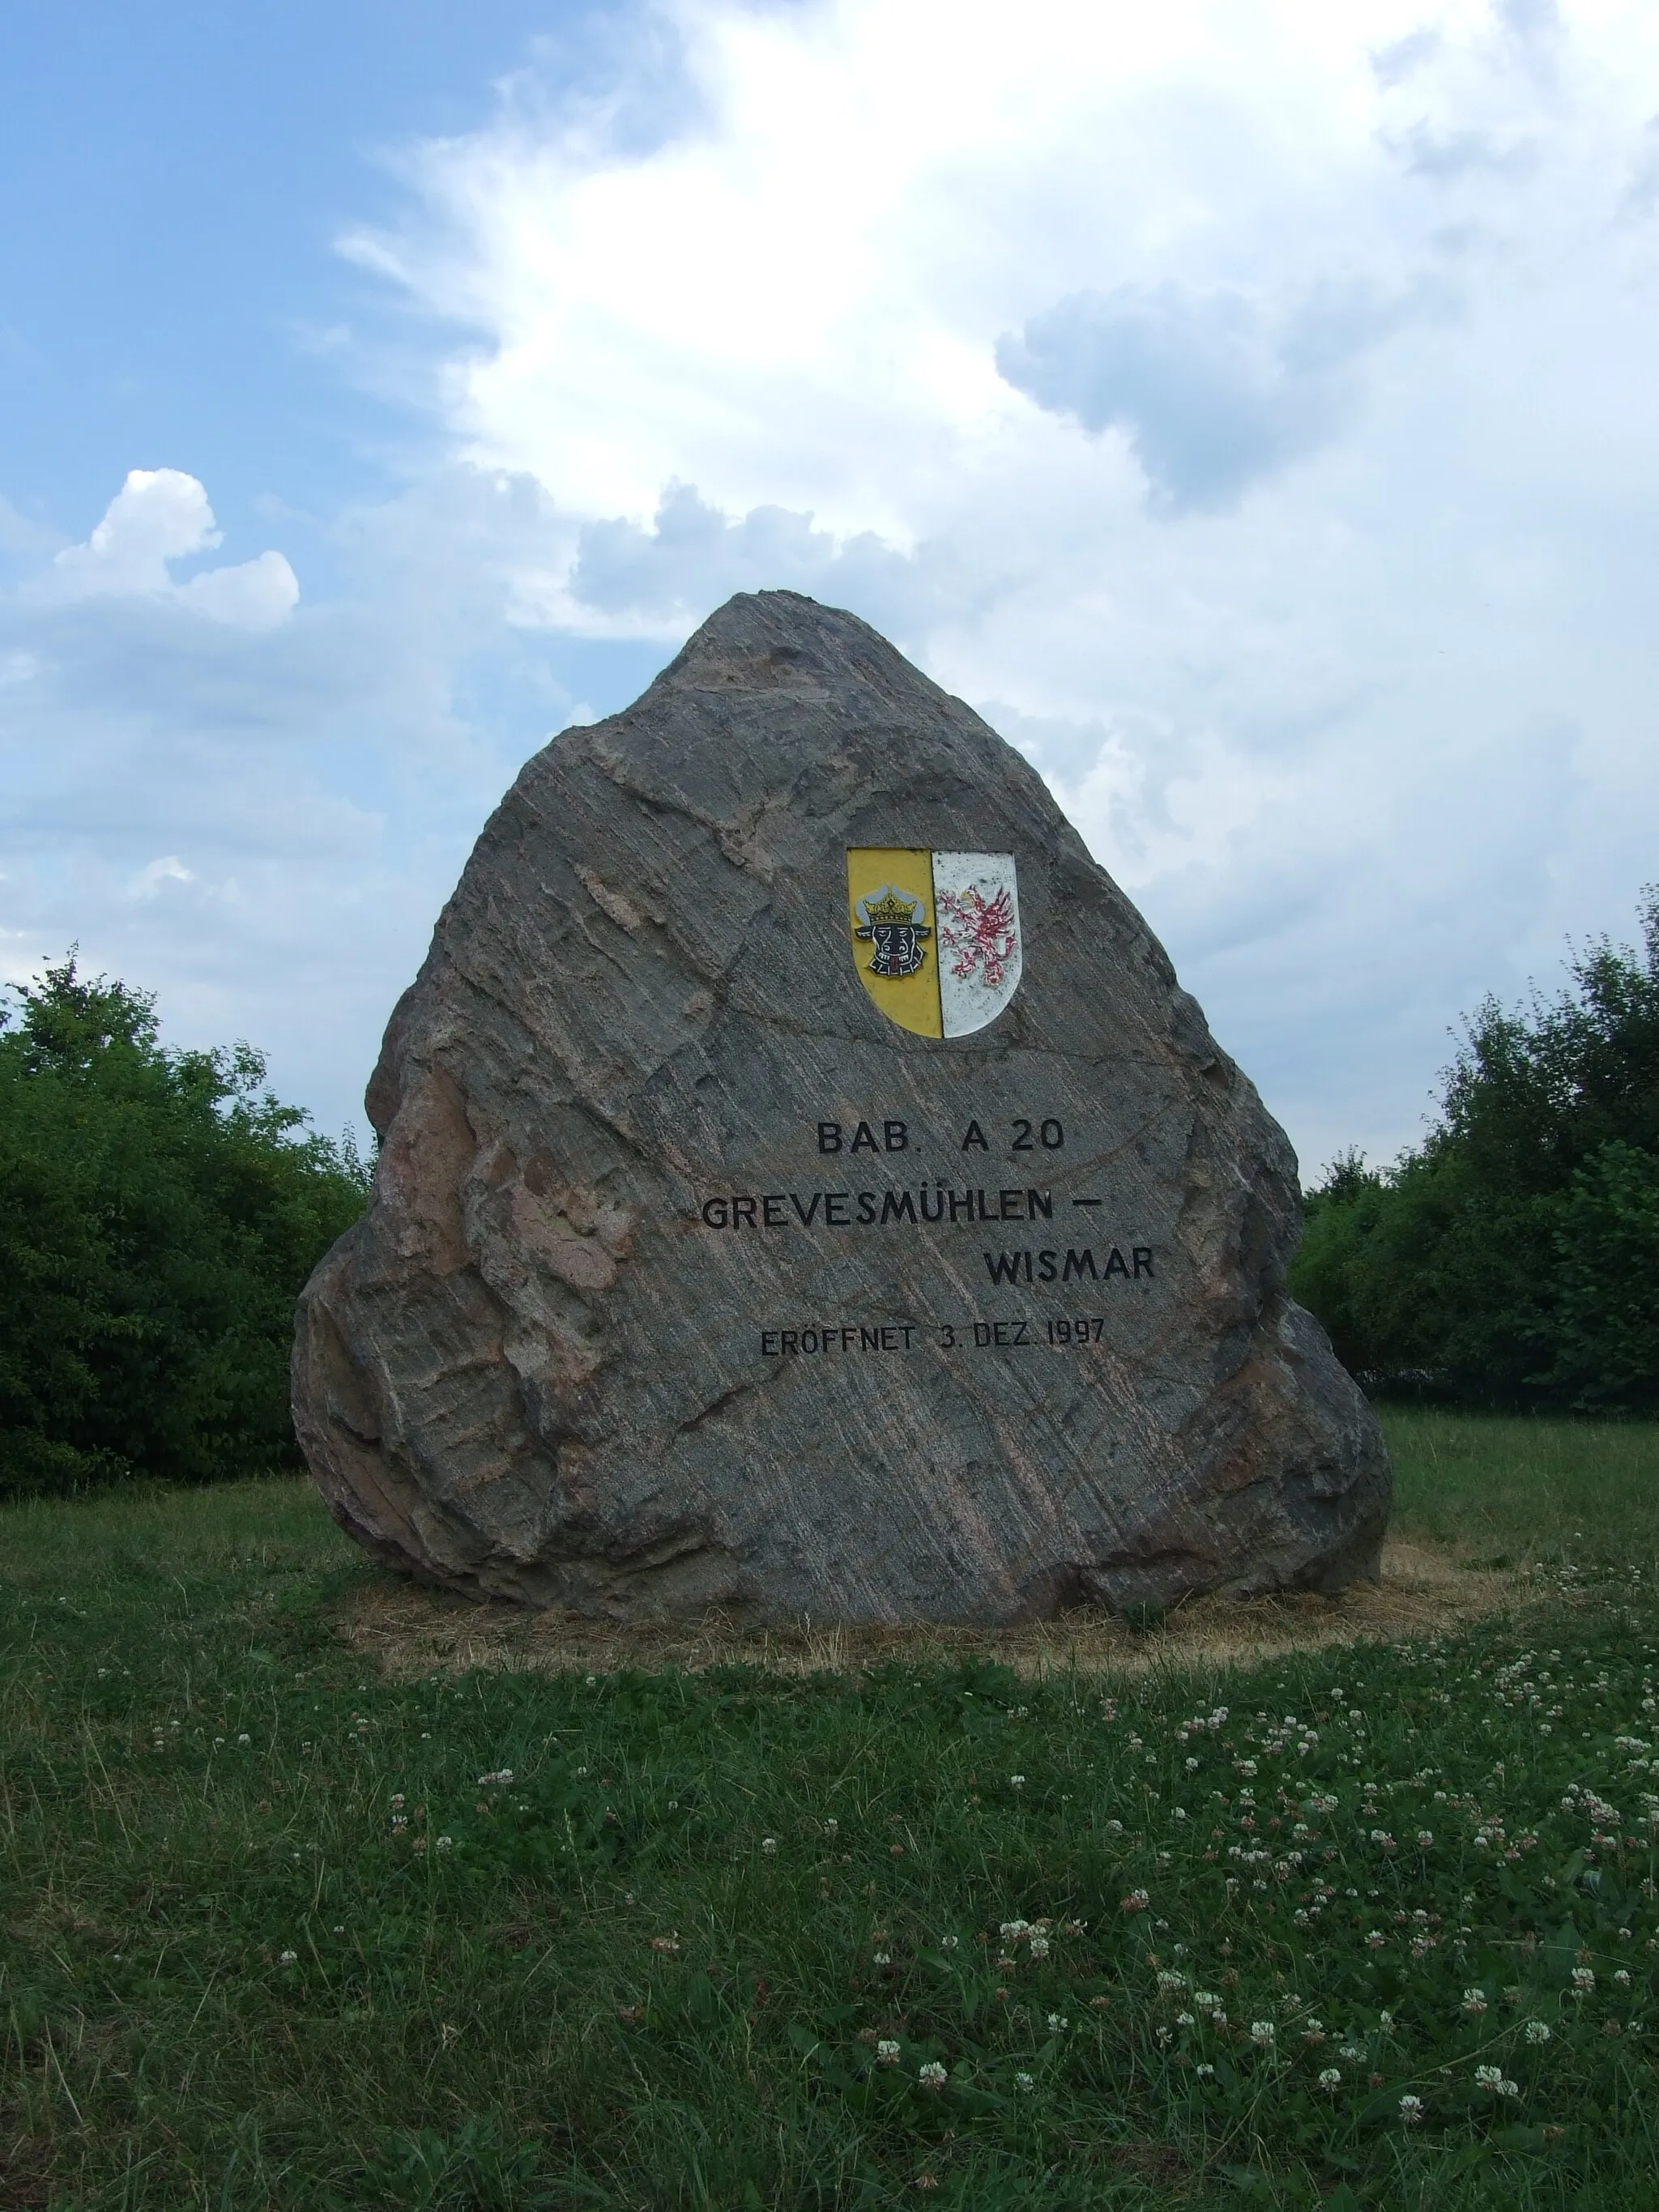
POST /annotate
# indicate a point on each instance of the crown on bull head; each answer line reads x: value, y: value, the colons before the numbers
x: 892, y: 906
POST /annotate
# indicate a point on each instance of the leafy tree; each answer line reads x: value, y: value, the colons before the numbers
x: 1607, y: 1350
x: 159, y: 1213
x: 1514, y: 1256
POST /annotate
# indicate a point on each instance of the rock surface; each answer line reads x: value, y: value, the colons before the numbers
x: 557, y: 1361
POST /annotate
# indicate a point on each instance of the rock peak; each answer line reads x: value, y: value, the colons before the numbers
x: 771, y: 641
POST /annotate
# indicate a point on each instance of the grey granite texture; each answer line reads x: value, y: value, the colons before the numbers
x: 534, y: 1370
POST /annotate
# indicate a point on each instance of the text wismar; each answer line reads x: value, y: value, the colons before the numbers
x: 871, y: 1209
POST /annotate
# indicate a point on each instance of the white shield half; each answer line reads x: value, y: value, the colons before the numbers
x: 976, y: 913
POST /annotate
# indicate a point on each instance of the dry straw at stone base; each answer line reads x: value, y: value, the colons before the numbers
x: 411, y: 1632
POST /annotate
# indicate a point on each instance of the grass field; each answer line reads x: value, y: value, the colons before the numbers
x: 1517, y: 1490
x: 1371, y: 1926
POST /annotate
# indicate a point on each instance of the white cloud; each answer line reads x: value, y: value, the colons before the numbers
x: 1211, y: 393
x: 261, y: 823
x: 168, y: 869
x: 1253, y: 397
x: 161, y: 516
x: 255, y: 594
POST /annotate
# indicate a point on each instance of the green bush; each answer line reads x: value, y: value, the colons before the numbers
x: 159, y: 1212
x: 1513, y: 1259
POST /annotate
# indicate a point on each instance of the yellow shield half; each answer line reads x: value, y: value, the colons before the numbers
x: 890, y: 896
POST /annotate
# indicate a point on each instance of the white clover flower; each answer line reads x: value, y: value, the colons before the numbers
x: 1012, y: 1930
x: 881, y: 1958
x: 1205, y: 2000
x: 1058, y: 2023
x: 887, y: 2052
x: 1474, y: 2000
x: 1411, y: 2110
x: 288, y: 1958
x: 1016, y: 1781
x: 1489, y: 2077
x: 1039, y: 1947
x: 245, y: 1739
x: 1330, y: 2078
x: 1622, y: 1976
x: 768, y: 1843
x: 1583, y: 1980
x: 1425, y: 1839
x: 949, y: 1942
x: 495, y: 1781
x: 1537, y: 2031
x: 1262, y: 2032
x: 1205, y: 2069
x: 832, y: 1828
x: 932, y: 2076
x: 444, y: 1844
x: 1353, y: 2052
x: 1025, y: 2082
x: 1185, y: 2020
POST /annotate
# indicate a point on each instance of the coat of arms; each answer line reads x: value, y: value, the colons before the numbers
x: 893, y: 926
x: 936, y: 936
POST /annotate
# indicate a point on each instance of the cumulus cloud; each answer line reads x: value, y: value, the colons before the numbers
x: 159, y: 517
x: 1248, y: 399
x: 691, y: 556
x: 262, y: 822
x: 168, y: 869
x: 1211, y: 389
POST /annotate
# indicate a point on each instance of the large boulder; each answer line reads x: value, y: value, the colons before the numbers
x: 804, y: 1189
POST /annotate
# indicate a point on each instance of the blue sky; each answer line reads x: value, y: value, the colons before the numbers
x: 1246, y: 405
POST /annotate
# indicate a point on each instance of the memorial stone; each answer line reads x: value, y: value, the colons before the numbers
x: 804, y: 1189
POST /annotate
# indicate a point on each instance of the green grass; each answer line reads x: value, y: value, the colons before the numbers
x: 268, y: 1941
x: 1527, y: 1488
